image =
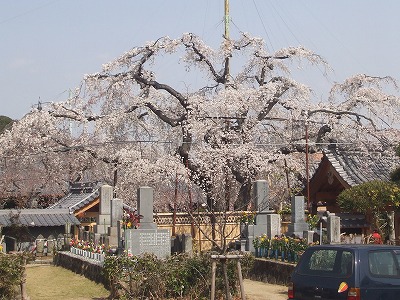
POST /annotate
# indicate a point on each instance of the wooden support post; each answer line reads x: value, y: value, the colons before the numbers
x: 214, y: 259
x: 213, y: 272
x: 239, y: 268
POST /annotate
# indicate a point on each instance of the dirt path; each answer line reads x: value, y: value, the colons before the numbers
x: 256, y: 290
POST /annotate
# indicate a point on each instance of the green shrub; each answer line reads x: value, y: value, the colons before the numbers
x: 179, y: 276
x: 12, y: 267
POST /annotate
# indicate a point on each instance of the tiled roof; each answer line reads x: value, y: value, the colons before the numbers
x: 81, y: 194
x: 359, y: 167
x: 39, y: 217
x: 75, y: 201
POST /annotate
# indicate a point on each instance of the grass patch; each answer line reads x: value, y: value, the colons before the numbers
x: 51, y: 282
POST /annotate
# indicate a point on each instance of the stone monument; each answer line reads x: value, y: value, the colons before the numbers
x: 104, y: 221
x: 147, y: 238
x: 333, y: 229
x: 266, y: 222
x: 116, y: 212
x: 298, y: 225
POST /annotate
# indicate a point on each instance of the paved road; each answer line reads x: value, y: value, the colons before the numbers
x: 256, y: 290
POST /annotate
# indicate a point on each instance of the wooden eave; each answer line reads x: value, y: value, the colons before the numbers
x: 326, y: 181
x: 87, y: 207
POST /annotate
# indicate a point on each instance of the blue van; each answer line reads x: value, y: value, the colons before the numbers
x: 350, y: 272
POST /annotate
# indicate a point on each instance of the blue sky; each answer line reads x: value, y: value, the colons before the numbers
x: 47, y: 46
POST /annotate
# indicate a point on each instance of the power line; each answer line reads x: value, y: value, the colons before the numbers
x: 28, y: 12
x: 83, y: 147
x: 265, y: 29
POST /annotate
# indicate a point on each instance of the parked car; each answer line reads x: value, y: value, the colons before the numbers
x: 351, y: 272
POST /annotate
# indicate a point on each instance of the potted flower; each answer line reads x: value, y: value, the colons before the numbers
x: 131, y: 220
x: 264, y: 245
x: 256, y: 245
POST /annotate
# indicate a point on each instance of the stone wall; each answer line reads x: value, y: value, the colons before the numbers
x: 80, y: 265
x: 271, y: 271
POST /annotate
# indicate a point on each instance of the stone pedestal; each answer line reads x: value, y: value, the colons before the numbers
x: 113, y: 238
x: 308, y: 236
x: 156, y: 241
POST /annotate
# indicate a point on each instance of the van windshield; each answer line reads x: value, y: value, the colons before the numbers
x: 328, y: 262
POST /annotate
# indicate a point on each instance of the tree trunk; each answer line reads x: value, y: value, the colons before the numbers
x: 244, y: 197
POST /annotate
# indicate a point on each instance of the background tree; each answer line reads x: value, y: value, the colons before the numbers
x: 5, y: 122
x: 235, y: 116
x: 374, y: 198
x: 18, y: 231
x: 395, y: 175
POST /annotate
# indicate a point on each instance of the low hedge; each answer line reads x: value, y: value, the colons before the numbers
x: 12, y: 274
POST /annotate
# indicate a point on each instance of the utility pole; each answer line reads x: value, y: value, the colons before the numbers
x: 227, y: 37
x: 227, y: 19
x: 307, y: 171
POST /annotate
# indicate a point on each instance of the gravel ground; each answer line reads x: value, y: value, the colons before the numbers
x: 256, y: 290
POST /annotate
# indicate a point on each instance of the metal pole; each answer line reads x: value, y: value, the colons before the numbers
x: 307, y: 172
x: 320, y: 232
x: 175, y: 199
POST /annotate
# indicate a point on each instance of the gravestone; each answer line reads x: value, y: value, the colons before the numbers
x: 91, y: 236
x: 85, y: 236
x: 266, y: 222
x: 333, y: 229
x: 50, y: 245
x: 104, y: 221
x: 81, y: 230
x: 182, y: 243
x: 97, y: 237
x: 260, y: 195
x: 40, y: 245
x: 273, y: 225
x: 187, y: 244
x: 147, y: 238
x: 145, y: 207
x: 60, y: 242
x: 298, y: 225
x: 117, y: 212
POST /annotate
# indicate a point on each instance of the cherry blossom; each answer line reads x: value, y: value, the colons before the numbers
x: 243, y: 119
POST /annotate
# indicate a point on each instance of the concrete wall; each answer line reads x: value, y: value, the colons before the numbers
x: 271, y: 271
x: 80, y: 266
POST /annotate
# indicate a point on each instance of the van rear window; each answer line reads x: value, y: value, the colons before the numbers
x: 383, y: 263
x: 328, y: 262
